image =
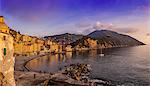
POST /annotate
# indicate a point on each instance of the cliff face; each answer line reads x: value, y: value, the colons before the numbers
x: 6, y: 60
x: 105, y: 39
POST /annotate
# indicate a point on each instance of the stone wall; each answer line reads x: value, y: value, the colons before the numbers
x: 6, y: 60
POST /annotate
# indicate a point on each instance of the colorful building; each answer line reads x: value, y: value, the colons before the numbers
x: 6, y: 56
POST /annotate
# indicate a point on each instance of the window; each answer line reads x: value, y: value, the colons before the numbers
x: 5, y: 51
x: 4, y: 37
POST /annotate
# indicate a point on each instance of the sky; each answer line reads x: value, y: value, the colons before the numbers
x: 50, y: 17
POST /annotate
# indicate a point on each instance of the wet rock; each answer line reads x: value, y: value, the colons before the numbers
x: 45, y: 83
x: 72, y: 75
x: 1, y: 76
x: 77, y: 71
x: 101, y: 82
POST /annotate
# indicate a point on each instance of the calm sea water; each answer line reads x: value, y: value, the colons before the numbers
x: 119, y: 65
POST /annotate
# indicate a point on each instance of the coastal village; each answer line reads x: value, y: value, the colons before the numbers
x: 74, y: 42
x: 15, y: 45
x: 25, y: 45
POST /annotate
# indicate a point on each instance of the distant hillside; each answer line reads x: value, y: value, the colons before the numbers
x: 85, y: 42
x: 66, y: 38
x: 106, y: 39
x: 114, y: 38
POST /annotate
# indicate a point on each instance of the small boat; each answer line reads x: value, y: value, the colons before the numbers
x: 101, y: 54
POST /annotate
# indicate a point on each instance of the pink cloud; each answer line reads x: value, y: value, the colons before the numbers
x: 145, y: 9
x: 100, y: 25
x: 148, y: 34
x: 83, y: 25
x: 127, y: 30
x: 105, y: 26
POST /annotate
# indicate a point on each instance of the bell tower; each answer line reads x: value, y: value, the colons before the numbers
x: 3, y: 27
x: 1, y: 19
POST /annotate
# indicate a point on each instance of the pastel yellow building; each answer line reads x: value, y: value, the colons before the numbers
x: 18, y: 37
x: 28, y: 45
x: 6, y: 56
x: 18, y: 48
x: 68, y: 48
x: 26, y: 38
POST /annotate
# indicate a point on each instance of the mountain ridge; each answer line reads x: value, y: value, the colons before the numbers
x: 65, y: 38
x: 106, y: 39
x: 109, y: 35
x: 99, y: 38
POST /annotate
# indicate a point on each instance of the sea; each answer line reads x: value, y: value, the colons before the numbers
x: 129, y: 65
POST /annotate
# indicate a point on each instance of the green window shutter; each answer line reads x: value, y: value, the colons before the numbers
x: 4, y: 51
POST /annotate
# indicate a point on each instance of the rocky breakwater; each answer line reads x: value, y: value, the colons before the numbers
x: 78, y: 72
x: 75, y: 75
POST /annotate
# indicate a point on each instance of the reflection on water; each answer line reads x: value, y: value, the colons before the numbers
x: 49, y: 62
x: 120, y: 65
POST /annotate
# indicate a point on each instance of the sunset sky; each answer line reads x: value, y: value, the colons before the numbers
x: 49, y: 17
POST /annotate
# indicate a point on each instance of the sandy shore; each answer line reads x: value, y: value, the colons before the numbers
x: 30, y: 78
x: 23, y: 76
x: 21, y: 61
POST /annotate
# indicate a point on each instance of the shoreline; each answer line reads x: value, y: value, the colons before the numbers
x: 25, y: 77
x: 24, y: 73
x: 21, y: 61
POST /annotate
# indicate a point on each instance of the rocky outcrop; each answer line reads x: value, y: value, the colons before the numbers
x: 77, y: 71
x: 75, y: 75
